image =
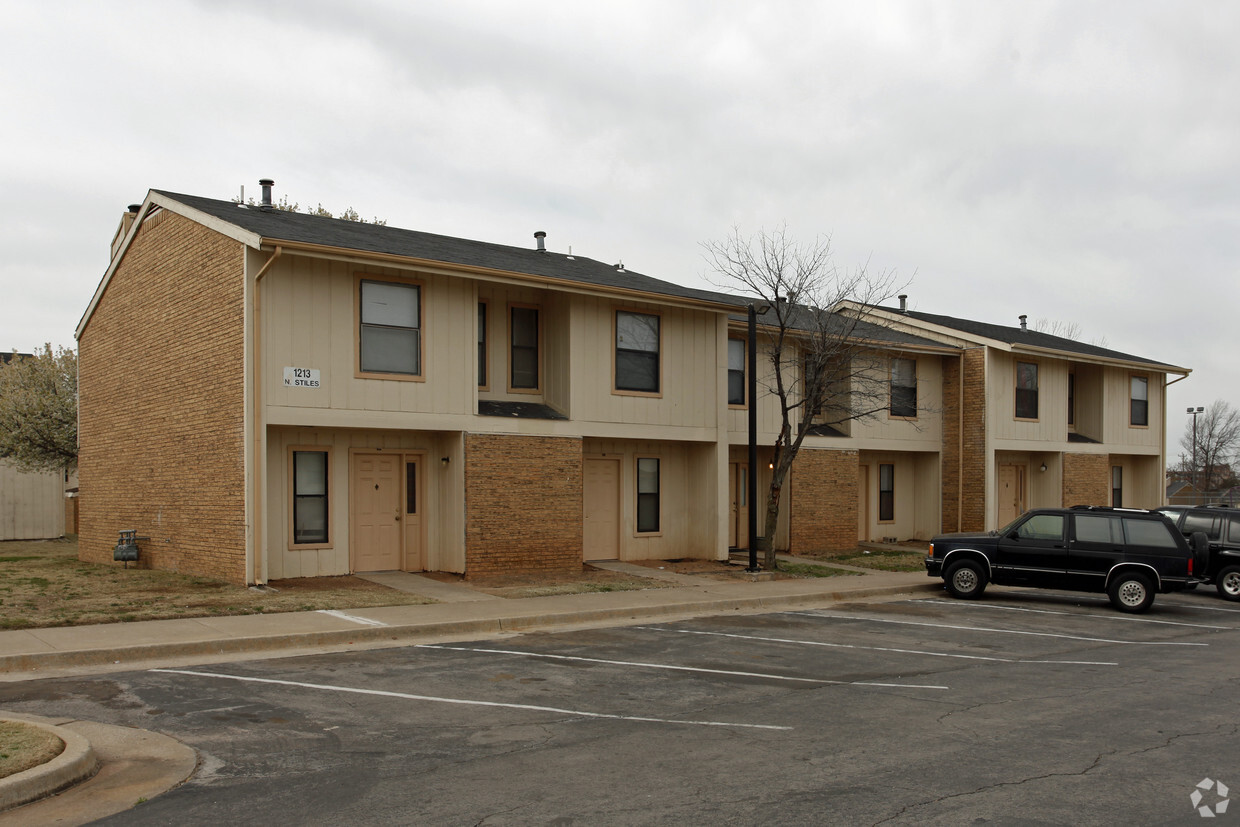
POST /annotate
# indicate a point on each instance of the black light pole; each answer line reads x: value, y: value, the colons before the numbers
x: 1193, y: 413
x: 751, y: 354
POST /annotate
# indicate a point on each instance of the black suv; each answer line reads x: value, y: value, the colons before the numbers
x: 1128, y: 553
x: 1221, y: 525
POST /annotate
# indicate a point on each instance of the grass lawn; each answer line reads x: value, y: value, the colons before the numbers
x: 886, y: 560
x: 42, y: 583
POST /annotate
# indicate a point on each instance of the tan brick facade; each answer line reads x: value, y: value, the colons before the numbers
x: 823, y: 499
x: 161, y: 404
x: 523, y: 504
x: 964, y: 477
x: 1086, y: 479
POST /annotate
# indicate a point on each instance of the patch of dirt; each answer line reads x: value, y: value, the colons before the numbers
x: 710, y: 569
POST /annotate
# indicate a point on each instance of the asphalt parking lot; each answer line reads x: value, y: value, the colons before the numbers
x: 1022, y: 708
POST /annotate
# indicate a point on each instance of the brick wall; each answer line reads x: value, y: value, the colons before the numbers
x: 964, y: 482
x: 823, y: 498
x: 523, y: 504
x: 1086, y: 479
x: 161, y: 404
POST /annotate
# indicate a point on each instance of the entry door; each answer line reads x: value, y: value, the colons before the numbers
x: 377, y: 511
x: 1011, y: 497
x: 414, y: 559
x: 601, y: 507
x: 863, y: 503
x: 738, y: 496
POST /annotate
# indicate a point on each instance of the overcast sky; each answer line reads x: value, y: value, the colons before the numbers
x: 1076, y: 162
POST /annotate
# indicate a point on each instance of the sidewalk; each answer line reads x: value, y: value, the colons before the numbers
x: 110, y: 768
x: 461, y: 613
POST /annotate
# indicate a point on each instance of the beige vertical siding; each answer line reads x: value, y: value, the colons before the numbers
x: 32, y: 505
x: 689, y: 495
x: 442, y: 503
x: 308, y: 321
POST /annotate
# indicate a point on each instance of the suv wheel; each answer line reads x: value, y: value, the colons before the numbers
x: 965, y: 579
x: 1131, y: 592
x: 1227, y: 581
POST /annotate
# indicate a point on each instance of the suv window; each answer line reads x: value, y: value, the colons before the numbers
x: 1196, y: 521
x: 1233, y: 532
x: 1149, y: 533
x: 1042, y: 527
x: 1093, y: 529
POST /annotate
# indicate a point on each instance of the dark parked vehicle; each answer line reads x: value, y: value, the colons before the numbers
x: 1221, y: 526
x: 1130, y: 554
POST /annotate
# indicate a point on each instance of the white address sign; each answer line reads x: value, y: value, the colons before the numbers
x: 301, y: 377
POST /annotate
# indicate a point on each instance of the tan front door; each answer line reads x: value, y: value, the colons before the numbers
x: 414, y: 559
x: 863, y: 503
x: 738, y: 496
x: 1011, y: 495
x: 601, y: 504
x: 376, y: 516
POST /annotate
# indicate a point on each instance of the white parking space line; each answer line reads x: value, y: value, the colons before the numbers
x: 1000, y: 631
x: 881, y: 648
x: 973, y: 604
x: 364, y: 621
x: 641, y: 665
x: 576, y: 713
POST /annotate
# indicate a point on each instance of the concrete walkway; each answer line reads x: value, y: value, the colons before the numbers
x: 135, y: 764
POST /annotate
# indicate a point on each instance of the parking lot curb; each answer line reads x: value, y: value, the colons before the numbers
x: 76, y: 763
x: 22, y: 665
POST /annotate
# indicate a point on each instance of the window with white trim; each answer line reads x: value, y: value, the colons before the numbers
x: 391, y: 328
x: 647, y: 494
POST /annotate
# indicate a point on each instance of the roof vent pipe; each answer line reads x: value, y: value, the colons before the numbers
x: 538, y: 237
x: 1023, y: 322
x: 266, y: 184
x: 904, y: 303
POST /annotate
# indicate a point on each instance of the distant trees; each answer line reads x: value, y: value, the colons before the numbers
x: 1212, y: 446
x: 38, y: 409
x: 348, y: 214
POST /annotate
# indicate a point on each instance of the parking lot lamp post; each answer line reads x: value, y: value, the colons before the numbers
x: 1193, y: 413
x: 751, y: 392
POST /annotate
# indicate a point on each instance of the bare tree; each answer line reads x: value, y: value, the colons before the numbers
x: 825, y: 370
x: 1212, y: 445
x: 38, y: 409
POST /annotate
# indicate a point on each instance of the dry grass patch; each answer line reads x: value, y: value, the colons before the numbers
x: 545, y: 584
x: 907, y: 558
x: 23, y: 746
x: 42, y: 583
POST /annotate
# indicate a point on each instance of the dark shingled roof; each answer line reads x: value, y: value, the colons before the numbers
x: 800, y: 319
x: 1016, y: 335
x: 276, y: 226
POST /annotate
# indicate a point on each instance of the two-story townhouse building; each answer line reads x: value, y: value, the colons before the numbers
x: 267, y: 394
x: 1034, y: 420
x: 981, y: 422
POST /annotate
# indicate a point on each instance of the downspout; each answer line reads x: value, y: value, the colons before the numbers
x: 960, y: 448
x: 260, y: 559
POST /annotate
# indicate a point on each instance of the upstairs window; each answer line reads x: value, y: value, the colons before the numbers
x: 482, y: 344
x: 524, y: 351
x: 736, y: 371
x: 1139, y: 401
x: 637, y: 352
x: 904, y: 388
x: 1026, y: 390
x: 390, y: 316
x: 1071, y: 399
